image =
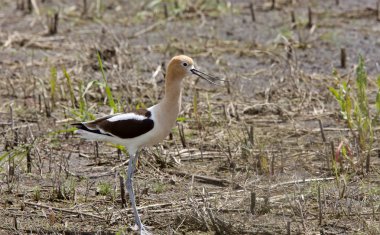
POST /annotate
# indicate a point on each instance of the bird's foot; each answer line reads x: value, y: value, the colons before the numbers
x: 135, y: 228
x: 142, y: 230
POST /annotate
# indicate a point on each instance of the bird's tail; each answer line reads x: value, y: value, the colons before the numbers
x: 80, y: 126
x: 86, y: 133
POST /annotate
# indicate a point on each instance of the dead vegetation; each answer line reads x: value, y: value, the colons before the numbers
x: 273, y: 151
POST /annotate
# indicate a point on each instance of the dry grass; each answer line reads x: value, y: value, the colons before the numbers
x: 246, y: 158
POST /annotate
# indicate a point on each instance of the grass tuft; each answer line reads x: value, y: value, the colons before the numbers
x: 355, y: 110
x: 104, y: 188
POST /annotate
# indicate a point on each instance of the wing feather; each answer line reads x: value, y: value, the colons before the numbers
x: 124, y: 126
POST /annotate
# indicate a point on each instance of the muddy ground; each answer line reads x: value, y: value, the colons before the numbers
x: 252, y: 158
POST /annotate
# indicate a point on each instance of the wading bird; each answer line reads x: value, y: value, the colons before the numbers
x: 144, y: 127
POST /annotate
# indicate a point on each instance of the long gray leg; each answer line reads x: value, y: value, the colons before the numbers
x: 130, y: 172
x: 129, y: 183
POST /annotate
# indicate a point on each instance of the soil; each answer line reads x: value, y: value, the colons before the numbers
x: 252, y: 157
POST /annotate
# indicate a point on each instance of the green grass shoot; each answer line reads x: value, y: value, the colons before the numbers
x: 111, y: 101
x: 361, y: 85
x: 70, y: 86
x: 82, y: 102
x: 18, y: 153
x: 53, y: 85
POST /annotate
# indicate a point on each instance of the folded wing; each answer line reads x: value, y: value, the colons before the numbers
x: 124, y: 126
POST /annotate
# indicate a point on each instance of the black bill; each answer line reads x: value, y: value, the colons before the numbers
x: 209, y: 78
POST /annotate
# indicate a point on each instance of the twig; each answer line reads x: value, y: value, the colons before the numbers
x: 301, y: 181
x: 293, y: 18
x: 236, y: 113
x: 35, y: 6
x: 20, y: 5
x: 310, y: 18
x: 213, y: 221
x: 340, y: 129
x: 273, y: 4
x: 63, y: 210
x: 182, y: 135
x: 205, y: 179
x: 253, y: 203
x: 319, y: 205
x: 96, y: 149
x: 322, y: 132
x: 272, y: 163
x: 368, y: 162
x: 84, y: 10
x: 107, y: 173
x: 289, y: 52
x: 302, y: 215
x: 30, y: 6
x: 15, y: 222
x: 53, y: 24
x: 343, y: 57
x: 252, y: 10
x: 251, y: 136
x: 150, y: 28
x: 199, y: 156
x: 332, y: 152
x: 122, y: 191
x: 28, y: 162
x: 288, y: 228
x: 166, y: 13
x: 14, y: 132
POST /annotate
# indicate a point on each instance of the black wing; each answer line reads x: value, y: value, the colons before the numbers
x: 124, y: 126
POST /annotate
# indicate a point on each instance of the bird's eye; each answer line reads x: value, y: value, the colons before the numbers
x: 184, y: 64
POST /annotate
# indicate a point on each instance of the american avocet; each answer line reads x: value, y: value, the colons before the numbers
x: 144, y: 127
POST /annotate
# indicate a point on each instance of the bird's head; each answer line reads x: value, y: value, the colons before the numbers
x: 182, y: 66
